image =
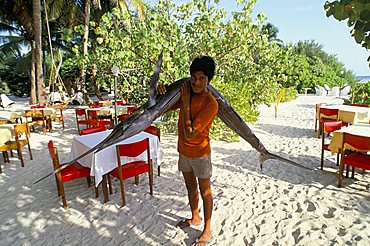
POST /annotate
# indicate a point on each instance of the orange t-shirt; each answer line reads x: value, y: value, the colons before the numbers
x: 203, y: 109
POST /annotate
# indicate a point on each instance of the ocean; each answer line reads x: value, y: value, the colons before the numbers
x: 363, y: 79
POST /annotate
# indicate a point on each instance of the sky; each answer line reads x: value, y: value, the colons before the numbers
x: 299, y: 20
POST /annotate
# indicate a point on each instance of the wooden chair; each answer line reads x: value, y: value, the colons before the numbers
x: 131, y: 109
x: 72, y: 172
x: 90, y: 130
x: 135, y: 168
x: 122, y: 117
x: 358, y: 158
x: 37, y: 118
x: 157, y: 132
x: 58, y: 116
x: 81, y: 112
x: 325, y: 115
x: 317, y: 116
x: 94, y: 120
x: 20, y: 140
x: 328, y: 127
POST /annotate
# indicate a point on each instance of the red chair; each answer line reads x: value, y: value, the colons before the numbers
x: 131, y: 109
x: 79, y: 113
x: 37, y: 106
x: 119, y: 102
x: 358, y: 158
x: 157, y: 132
x: 94, y: 120
x: 135, y: 168
x: 328, y: 127
x: 122, y: 117
x: 360, y: 105
x: 325, y: 115
x: 154, y: 130
x: 72, y: 172
x: 90, y: 130
x: 317, y: 116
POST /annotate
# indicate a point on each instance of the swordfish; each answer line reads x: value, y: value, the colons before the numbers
x: 159, y: 104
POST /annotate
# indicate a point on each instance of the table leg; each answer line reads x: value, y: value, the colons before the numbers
x: 105, y: 188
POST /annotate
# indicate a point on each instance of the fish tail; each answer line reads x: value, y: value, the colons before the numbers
x: 266, y: 156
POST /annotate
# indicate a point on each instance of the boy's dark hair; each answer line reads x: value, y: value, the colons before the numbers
x: 206, y: 64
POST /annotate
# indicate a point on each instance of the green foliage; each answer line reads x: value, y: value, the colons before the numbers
x: 360, y: 93
x: 357, y: 14
x: 251, y: 66
x: 16, y: 81
x: 289, y: 94
x: 311, y: 66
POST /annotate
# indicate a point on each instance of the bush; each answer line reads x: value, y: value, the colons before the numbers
x: 359, y: 93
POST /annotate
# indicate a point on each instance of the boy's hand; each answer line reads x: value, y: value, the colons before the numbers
x: 185, y: 94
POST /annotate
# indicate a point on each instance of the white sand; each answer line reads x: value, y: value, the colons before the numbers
x: 280, y: 205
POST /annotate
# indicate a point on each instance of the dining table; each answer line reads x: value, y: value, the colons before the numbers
x: 104, y: 161
x: 350, y: 114
x: 357, y: 129
x: 15, y: 115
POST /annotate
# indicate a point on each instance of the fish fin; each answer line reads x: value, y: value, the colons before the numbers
x: 154, y: 80
x: 265, y: 156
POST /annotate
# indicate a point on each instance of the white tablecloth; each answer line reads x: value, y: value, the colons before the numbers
x: 105, y: 160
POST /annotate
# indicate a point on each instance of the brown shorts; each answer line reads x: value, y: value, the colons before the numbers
x: 201, y: 167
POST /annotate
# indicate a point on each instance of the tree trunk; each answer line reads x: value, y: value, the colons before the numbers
x: 82, y: 82
x: 93, y: 80
x: 32, y: 75
x: 41, y: 95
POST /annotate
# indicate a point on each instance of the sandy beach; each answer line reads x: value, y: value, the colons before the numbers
x: 279, y: 205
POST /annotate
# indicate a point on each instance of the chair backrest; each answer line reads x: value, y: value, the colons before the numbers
x: 35, y: 113
x: 119, y: 102
x: 332, y: 126
x: 20, y: 129
x: 122, y: 117
x: 328, y: 112
x: 326, y: 87
x: 318, y: 105
x: 131, y: 109
x: 80, y: 112
x: 134, y: 149
x: 360, y: 105
x: 58, y: 107
x: 53, y: 152
x: 87, y: 131
x: 92, y: 113
x: 154, y: 130
x: 37, y: 106
x: 5, y: 101
x: 361, y: 143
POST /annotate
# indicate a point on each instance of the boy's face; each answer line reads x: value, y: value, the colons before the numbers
x: 198, y: 82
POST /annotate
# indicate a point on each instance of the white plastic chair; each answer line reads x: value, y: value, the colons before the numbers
x: 5, y: 101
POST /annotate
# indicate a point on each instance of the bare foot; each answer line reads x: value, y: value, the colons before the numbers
x: 188, y: 222
x: 204, y: 239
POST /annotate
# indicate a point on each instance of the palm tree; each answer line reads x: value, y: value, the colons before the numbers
x: 41, y: 93
x: 271, y: 31
x: 15, y: 19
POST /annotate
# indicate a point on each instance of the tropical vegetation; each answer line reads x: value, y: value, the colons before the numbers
x: 254, y: 65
